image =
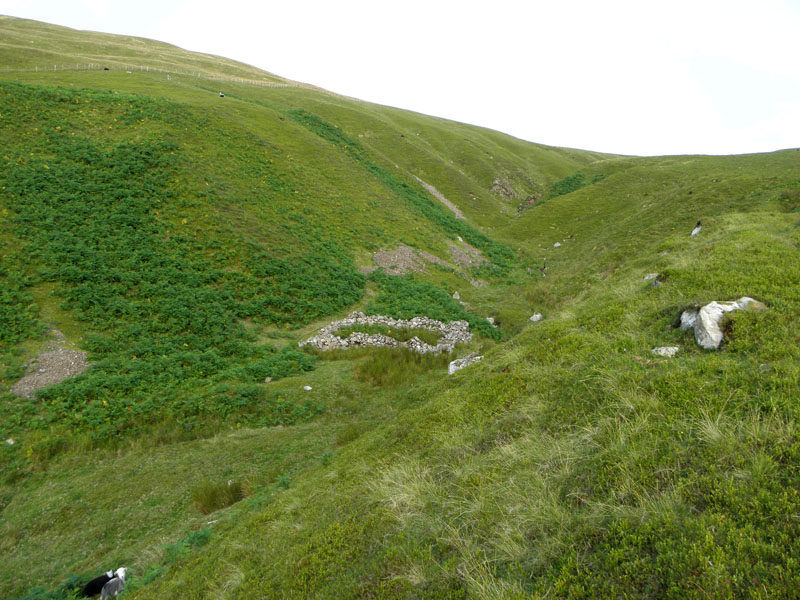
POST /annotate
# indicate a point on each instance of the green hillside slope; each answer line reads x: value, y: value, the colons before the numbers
x: 188, y: 241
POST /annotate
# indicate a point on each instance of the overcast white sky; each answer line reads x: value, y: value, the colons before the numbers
x: 626, y: 76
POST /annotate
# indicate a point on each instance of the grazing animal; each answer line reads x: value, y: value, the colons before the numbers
x: 95, y: 586
x: 697, y: 229
x: 114, y: 585
x: 221, y: 95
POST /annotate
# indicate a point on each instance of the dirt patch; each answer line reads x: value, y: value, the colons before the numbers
x: 440, y: 197
x: 466, y: 256
x: 399, y: 262
x: 54, y: 364
x: 431, y: 258
x: 405, y: 260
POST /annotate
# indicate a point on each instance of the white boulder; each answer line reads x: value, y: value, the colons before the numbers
x: 536, y: 317
x: 706, y: 320
x: 557, y: 245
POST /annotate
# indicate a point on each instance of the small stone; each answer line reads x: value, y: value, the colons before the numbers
x: 456, y: 296
x: 10, y: 441
x: 267, y: 379
x: 557, y: 245
x: 307, y: 388
x: 688, y: 318
x: 665, y: 351
x: 491, y: 321
x: 536, y: 317
x: 650, y: 276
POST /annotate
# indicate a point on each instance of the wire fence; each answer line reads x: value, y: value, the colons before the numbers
x: 148, y: 69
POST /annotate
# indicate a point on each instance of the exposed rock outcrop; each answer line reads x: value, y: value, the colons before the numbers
x: 707, y: 319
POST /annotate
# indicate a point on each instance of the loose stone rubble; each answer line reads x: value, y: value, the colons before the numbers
x: 460, y: 363
x: 455, y: 332
x: 706, y: 320
x: 54, y: 364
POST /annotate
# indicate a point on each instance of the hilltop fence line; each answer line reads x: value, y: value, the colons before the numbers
x: 146, y: 69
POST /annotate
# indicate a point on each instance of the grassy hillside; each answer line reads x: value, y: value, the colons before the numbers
x: 32, y: 45
x: 187, y: 242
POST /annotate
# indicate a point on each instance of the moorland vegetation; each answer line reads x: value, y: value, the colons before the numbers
x: 189, y: 242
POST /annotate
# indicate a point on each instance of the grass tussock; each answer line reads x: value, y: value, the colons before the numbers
x: 213, y: 495
x: 395, y: 366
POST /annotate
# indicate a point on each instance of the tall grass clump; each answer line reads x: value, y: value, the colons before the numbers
x: 395, y: 366
x: 213, y: 495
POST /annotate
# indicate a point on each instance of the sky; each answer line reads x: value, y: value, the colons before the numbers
x: 623, y: 76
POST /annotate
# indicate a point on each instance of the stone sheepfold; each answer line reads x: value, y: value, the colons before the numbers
x: 452, y: 333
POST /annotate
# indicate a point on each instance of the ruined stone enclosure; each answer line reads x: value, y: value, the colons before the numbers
x: 450, y: 334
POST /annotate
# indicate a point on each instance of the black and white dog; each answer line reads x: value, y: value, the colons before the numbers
x: 95, y: 586
x: 114, y: 585
x: 98, y: 584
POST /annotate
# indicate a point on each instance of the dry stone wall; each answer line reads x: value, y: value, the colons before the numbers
x: 452, y: 333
